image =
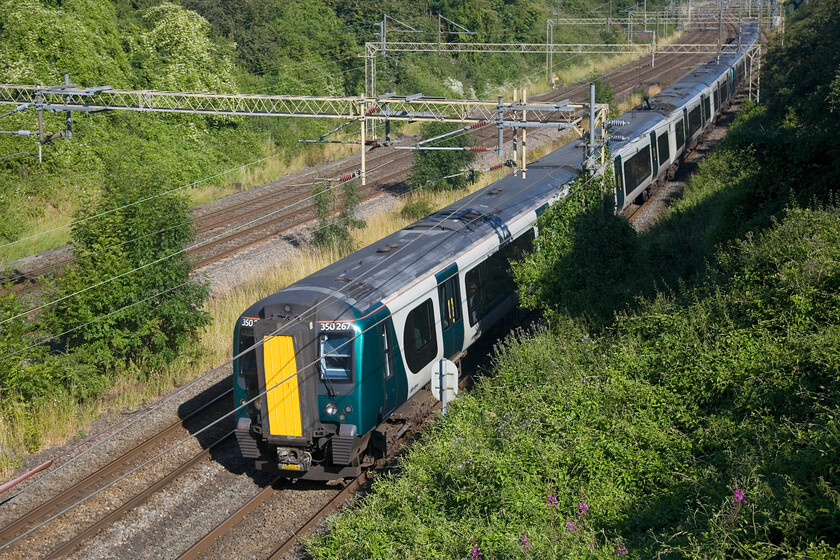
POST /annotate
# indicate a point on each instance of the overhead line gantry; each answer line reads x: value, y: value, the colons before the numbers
x: 388, y: 107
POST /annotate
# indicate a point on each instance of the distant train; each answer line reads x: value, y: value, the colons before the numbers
x: 328, y: 366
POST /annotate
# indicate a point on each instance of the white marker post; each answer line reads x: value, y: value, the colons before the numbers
x: 445, y: 383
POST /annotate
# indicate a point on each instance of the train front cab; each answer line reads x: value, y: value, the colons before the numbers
x: 309, y: 417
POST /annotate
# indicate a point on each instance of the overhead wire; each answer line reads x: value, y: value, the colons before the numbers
x: 148, y: 198
x: 268, y: 389
x: 250, y: 349
x: 317, y: 228
x: 148, y: 264
x: 310, y: 311
x: 186, y: 439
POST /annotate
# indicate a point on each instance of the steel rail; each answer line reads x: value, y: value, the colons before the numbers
x: 331, y: 506
x: 13, y: 529
x: 139, y: 499
x: 250, y: 506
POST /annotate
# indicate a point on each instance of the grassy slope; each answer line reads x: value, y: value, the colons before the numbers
x: 654, y: 424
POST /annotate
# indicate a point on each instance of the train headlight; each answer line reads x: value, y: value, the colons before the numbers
x: 330, y: 409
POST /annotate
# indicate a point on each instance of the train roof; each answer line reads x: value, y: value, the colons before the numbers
x: 380, y: 270
x: 376, y: 272
x: 639, y: 121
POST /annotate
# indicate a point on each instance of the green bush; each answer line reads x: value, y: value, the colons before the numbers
x: 510, y: 466
x: 128, y: 297
x: 441, y: 169
x: 582, y: 257
x: 416, y: 209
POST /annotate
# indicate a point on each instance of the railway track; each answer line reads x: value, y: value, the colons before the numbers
x: 26, y: 528
x: 263, y: 214
x: 302, y: 526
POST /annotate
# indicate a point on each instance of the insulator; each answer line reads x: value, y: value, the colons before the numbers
x: 348, y: 176
x: 495, y: 167
x: 478, y: 124
x: 615, y: 123
x: 477, y: 149
x: 373, y: 109
x: 372, y: 143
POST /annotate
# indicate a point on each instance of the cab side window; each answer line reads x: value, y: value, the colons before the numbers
x: 336, y: 357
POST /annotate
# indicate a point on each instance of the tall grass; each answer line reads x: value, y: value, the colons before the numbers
x: 273, y: 167
x: 51, y: 228
x: 47, y: 231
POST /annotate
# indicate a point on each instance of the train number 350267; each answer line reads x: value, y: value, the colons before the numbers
x: 336, y: 326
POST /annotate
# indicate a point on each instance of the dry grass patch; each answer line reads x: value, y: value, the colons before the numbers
x: 47, y: 231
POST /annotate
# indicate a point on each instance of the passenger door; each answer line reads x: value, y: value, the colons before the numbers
x: 452, y: 319
x: 390, y: 381
x: 655, y: 154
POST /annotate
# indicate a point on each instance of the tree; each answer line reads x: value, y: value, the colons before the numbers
x: 582, y: 257
x: 441, y: 169
x: 334, y: 224
x: 128, y: 298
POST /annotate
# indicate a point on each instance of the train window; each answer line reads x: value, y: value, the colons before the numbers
x: 664, y: 148
x: 450, y: 302
x: 693, y: 121
x: 707, y: 103
x: 679, y: 129
x: 247, y: 362
x: 336, y: 357
x: 521, y: 245
x: 491, y: 282
x: 717, y: 98
x: 388, y: 362
x: 419, y: 338
x: 636, y: 170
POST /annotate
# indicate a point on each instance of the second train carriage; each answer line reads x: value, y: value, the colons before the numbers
x: 658, y: 132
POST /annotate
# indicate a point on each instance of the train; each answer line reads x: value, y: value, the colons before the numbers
x: 327, y: 371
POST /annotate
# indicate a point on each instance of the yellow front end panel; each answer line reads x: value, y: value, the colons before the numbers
x: 283, y: 400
